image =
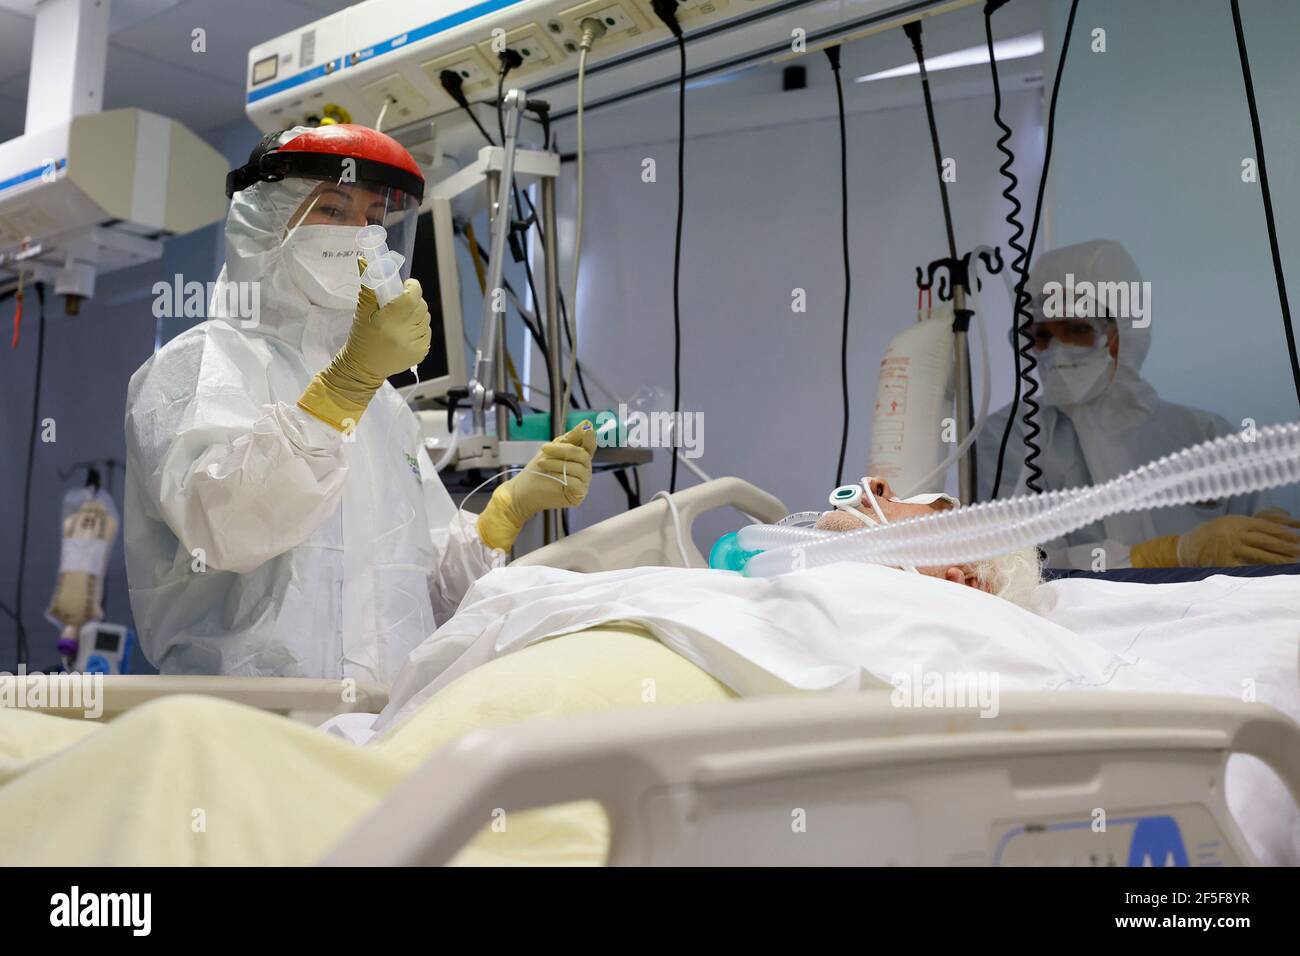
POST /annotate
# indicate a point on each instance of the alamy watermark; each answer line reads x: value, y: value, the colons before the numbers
x: 240, y: 301
x: 75, y: 908
x: 968, y: 690
x: 83, y: 692
x: 628, y: 428
x: 1081, y: 300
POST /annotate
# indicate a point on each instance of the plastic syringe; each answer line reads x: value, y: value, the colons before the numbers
x: 383, y: 268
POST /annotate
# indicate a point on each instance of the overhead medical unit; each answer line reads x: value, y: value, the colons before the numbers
x: 85, y: 191
x: 390, y: 55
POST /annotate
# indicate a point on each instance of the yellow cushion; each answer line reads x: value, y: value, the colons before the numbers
x: 185, y: 781
x: 612, y: 667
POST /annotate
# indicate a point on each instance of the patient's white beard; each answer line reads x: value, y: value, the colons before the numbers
x: 1014, y: 577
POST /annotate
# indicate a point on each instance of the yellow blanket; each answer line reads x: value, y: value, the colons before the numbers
x: 198, y: 781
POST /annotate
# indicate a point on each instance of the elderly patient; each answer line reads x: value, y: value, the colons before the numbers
x: 1014, y: 576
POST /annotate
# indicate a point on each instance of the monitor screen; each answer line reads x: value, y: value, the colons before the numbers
x: 107, y: 640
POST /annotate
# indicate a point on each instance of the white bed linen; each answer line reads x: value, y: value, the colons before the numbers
x: 849, y: 626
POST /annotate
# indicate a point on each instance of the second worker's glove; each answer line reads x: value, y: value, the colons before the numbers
x: 1225, y: 542
x: 382, y: 342
x: 557, y: 477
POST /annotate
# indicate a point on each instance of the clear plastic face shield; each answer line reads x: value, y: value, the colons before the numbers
x: 345, y: 192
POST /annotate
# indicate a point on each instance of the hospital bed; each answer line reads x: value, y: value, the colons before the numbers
x: 1098, y: 778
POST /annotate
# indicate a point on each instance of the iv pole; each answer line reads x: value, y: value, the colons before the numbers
x: 967, y: 484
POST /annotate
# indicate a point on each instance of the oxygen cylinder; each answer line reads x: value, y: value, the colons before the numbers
x: 914, y: 396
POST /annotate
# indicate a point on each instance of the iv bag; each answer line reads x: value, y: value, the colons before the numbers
x: 90, y: 524
x: 914, y: 396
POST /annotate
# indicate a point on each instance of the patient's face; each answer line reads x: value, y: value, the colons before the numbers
x: 895, y: 511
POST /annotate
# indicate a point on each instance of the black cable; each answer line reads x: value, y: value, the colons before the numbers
x: 536, y: 333
x: 1023, y: 297
x: 536, y: 223
x: 452, y: 83
x: 21, y: 649
x: 577, y: 366
x: 1025, y: 363
x: 510, y: 60
x: 506, y: 66
x: 913, y: 31
x: 677, y: 257
x: 1267, y: 196
x: 833, y: 54
x: 667, y: 12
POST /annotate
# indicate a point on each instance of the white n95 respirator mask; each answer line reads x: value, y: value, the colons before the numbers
x: 1073, y: 374
x: 322, y: 262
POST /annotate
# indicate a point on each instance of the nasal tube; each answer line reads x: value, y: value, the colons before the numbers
x: 1220, y: 468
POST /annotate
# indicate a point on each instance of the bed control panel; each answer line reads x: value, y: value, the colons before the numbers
x: 1177, y: 836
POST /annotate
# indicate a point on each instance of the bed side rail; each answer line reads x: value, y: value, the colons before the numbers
x: 1100, y: 778
x: 645, y: 536
x: 77, y: 696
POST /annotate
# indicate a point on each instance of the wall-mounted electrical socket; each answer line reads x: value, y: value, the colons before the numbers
x: 405, y: 104
x: 475, y: 72
x: 529, y: 42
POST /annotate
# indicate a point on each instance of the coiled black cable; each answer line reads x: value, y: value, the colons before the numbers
x: 1023, y: 297
x: 1267, y: 196
x: 1025, y: 361
x: 833, y: 54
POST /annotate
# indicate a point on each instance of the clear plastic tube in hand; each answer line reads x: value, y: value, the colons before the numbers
x: 383, y: 273
x: 1221, y: 468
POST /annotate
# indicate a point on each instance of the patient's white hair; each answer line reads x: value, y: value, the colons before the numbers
x: 1015, y: 576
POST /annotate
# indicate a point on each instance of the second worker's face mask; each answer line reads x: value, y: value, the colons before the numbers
x: 1074, y: 375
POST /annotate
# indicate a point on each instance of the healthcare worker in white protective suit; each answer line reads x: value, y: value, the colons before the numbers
x: 282, y: 515
x: 1100, y: 418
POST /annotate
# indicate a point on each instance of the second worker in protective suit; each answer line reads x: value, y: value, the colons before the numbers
x: 282, y: 517
x: 1100, y: 419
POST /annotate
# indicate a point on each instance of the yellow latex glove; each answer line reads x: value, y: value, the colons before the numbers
x: 557, y: 477
x: 1226, y: 542
x: 382, y: 342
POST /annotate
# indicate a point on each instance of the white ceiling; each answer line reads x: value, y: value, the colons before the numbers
x: 150, y: 61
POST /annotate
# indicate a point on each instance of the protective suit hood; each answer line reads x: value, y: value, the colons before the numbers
x: 256, y: 252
